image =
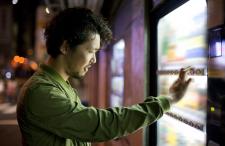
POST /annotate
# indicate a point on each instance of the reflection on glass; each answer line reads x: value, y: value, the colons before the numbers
x: 215, y: 43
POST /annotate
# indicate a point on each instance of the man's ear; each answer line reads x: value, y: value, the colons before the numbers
x: 64, y: 48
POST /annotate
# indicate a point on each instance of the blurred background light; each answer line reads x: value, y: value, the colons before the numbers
x: 14, y: 2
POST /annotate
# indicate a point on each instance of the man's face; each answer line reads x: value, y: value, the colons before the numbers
x: 79, y: 60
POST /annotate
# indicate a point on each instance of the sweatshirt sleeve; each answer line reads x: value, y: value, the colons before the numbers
x: 69, y: 119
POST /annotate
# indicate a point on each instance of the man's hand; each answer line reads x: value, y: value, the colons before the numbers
x: 179, y: 87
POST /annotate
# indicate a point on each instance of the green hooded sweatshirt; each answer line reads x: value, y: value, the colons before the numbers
x: 50, y: 113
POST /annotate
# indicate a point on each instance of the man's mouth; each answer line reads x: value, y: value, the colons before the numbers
x: 87, y: 67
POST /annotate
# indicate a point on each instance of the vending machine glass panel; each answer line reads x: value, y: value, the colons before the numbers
x: 181, y: 42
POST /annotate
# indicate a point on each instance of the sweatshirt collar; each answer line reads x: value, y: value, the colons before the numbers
x: 53, y: 74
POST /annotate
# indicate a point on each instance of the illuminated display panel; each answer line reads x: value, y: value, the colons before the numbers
x: 117, y: 74
x: 181, y: 42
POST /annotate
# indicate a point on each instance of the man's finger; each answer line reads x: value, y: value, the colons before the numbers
x: 187, y: 68
x: 181, y: 74
x: 188, y: 81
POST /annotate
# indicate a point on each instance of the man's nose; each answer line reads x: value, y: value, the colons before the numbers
x: 93, y: 59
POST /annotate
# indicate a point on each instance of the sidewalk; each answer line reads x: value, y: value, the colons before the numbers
x: 10, y: 134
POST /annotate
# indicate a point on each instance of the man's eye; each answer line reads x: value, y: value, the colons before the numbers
x: 93, y: 51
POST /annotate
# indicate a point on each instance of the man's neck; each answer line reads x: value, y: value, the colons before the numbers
x: 58, y: 65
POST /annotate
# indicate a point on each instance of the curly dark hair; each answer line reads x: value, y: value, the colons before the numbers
x: 75, y: 25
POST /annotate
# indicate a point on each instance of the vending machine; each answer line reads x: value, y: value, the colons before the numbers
x: 178, y: 31
x: 216, y: 87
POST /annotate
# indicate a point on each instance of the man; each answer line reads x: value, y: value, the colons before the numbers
x: 49, y: 111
